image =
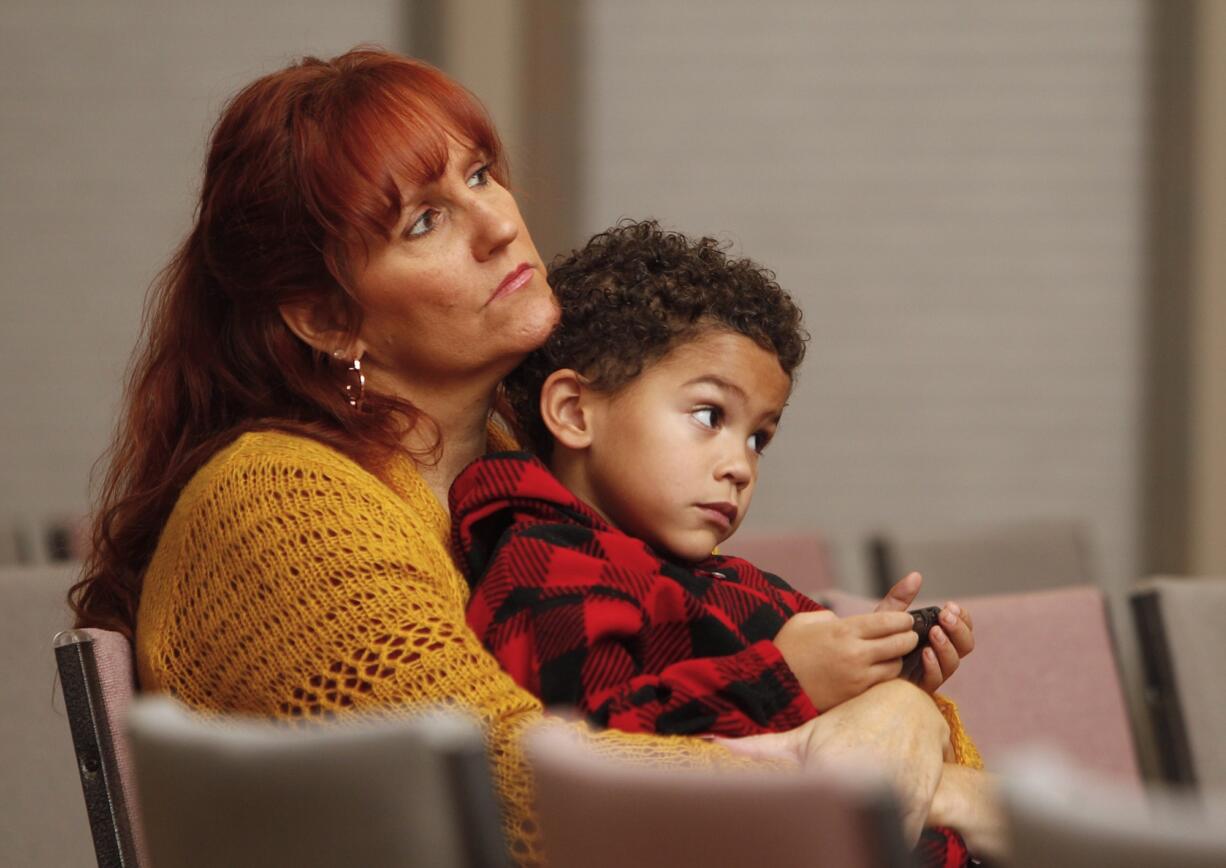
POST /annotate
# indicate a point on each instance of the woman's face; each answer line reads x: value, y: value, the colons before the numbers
x: 459, y: 293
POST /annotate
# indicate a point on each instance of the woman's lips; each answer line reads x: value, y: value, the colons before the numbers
x: 721, y: 513
x: 513, y: 281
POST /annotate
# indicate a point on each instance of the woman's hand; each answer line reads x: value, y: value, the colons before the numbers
x: 891, y: 727
x: 967, y: 800
x: 948, y: 643
x: 836, y: 658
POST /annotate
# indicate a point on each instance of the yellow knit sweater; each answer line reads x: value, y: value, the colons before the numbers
x: 292, y: 583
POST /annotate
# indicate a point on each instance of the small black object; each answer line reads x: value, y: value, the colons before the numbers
x: 924, y: 620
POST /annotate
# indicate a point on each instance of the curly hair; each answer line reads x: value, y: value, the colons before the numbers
x: 633, y: 293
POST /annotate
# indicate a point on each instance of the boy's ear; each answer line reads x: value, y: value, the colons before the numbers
x: 564, y: 408
x: 319, y: 325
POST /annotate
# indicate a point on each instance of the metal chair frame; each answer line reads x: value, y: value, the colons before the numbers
x: 110, y: 820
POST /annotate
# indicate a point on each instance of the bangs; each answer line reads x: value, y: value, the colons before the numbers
x: 391, y: 124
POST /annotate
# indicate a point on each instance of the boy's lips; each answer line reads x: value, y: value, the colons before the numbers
x: 720, y: 512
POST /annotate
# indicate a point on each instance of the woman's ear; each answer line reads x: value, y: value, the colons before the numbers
x: 320, y: 325
x: 565, y: 410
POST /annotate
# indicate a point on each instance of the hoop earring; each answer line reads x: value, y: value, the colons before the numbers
x: 355, y: 388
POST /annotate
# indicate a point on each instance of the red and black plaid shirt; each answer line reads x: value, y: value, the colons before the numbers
x: 583, y: 615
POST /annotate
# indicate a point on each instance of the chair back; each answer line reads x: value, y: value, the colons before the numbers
x: 99, y: 683
x: 1043, y: 671
x: 42, y: 817
x: 599, y: 812
x: 1007, y: 558
x: 1060, y: 817
x: 802, y: 559
x: 1180, y: 625
x: 245, y: 792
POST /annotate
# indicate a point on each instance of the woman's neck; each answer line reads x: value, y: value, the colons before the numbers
x: 461, y: 419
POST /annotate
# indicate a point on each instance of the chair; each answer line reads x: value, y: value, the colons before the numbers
x: 1062, y: 818
x: 800, y: 558
x: 237, y: 792
x: 42, y: 817
x: 1008, y: 558
x: 1180, y: 628
x: 96, y: 675
x: 1043, y: 671
x: 599, y: 812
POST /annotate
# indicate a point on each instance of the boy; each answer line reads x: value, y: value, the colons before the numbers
x: 593, y: 579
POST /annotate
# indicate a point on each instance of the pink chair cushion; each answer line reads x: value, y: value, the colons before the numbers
x: 1043, y: 671
x: 603, y: 812
x: 802, y: 559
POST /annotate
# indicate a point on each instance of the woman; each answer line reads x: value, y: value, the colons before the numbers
x: 321, y: 360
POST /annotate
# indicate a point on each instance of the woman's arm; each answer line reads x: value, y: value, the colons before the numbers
x: 968, y: 800
x: 893, y: 727
x: 293, y: 584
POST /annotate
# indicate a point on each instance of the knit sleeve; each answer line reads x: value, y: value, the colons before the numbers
x: 291, y: 583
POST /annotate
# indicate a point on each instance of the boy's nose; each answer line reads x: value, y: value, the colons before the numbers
x: 737, y: 469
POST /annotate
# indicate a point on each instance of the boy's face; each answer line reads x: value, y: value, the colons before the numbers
x: 674, y: 453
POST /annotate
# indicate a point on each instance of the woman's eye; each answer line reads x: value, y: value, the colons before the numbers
x: 481, y: 177
x: 708, y: 417
x: 423, y: 224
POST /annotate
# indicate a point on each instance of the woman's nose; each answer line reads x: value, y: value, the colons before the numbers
x: 495, y: 225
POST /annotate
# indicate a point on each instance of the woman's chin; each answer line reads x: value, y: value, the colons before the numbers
x: 536, y: 321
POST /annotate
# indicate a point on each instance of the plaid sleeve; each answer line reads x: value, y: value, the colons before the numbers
x: 803, y: 604
x: 747, y: 693
x: 565, y: 630
x: 789, y: 596
x: 941, y: 847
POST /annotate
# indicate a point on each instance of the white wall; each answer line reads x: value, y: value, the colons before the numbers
x: 952, y: 189
x: 106, y: 109
x: 1209, y: 334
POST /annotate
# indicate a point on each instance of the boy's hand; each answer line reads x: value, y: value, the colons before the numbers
x: 836, y: 658
x: 948, y: 643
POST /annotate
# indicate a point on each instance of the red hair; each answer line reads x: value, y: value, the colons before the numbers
x: 303, y: 164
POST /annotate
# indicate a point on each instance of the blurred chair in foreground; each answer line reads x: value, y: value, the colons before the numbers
x: 236, y: 792
x: 98, y: 680
x: 596, y: 812
x: 1043, y: 671
x: 1011, y: 558
x: 1060, y: 819
x: 800, y: 558
x: 1181, y: 625
x: 41, y: 817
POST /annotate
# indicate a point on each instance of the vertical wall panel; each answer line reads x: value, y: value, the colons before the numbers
x: 1209, y: 332
x: 953, y: 191
x: 106, y: 111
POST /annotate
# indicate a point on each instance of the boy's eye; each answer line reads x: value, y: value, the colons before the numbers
x: 758, y: 440
x: 423, y: 224
x: 479, y: 178
x: 708, y: 417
